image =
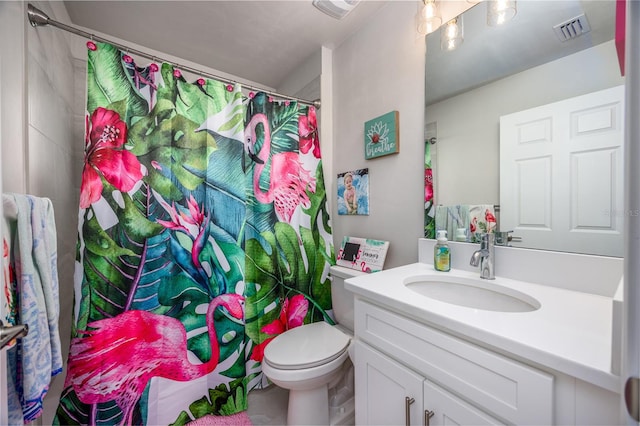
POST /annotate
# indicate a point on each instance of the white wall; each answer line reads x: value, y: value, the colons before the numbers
x: 40, y: 148
x: 304, y: 81
x: 468, y: 124
x: 13, y: 83
x: 381, y: 69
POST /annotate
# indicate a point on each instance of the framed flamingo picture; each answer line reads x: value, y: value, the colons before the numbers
x: 381, y: 136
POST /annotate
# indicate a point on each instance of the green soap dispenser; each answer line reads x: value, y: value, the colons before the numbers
x: 442, y: 253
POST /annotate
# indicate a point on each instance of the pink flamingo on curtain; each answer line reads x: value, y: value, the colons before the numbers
x: 115, y: 361
x: 288, y: 181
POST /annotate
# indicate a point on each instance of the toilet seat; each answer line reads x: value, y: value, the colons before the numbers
x: 306, y: 346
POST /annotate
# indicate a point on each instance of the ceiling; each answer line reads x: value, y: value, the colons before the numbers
x: 490, y: 53
x: 263, y: 41
x: 260, y: 41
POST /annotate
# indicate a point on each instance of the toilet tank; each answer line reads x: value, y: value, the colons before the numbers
x: 341, y: 298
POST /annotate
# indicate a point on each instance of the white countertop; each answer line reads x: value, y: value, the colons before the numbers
x: 571, y: 332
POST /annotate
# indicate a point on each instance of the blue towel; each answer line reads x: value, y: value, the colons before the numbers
x: 34, y: 252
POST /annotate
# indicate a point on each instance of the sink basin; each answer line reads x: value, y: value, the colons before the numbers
x: 472, y: 293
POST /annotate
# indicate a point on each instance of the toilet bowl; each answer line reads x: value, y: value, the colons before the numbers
x: 313, y: 359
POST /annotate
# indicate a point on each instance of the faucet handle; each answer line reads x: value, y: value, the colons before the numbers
x: 504, y: 238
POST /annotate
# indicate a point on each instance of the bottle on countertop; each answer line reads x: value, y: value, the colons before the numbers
x: 461, y: 235
x: 442, y: 253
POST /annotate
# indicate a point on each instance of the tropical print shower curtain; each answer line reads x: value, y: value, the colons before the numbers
x: 429, y: 205
x: 203, y: 234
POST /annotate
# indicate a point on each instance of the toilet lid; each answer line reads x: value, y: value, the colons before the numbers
x: 306, y: 346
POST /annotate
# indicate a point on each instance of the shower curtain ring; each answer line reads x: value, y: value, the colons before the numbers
x: 127, y: 58
x: 90, y: 44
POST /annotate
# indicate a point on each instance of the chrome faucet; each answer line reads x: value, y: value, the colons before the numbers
x: 484, y: 257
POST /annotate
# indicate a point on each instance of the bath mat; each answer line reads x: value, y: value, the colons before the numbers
x: 239, y: 419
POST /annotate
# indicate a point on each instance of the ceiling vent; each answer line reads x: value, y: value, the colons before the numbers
x: 336, y: 8
x: 572, y: 28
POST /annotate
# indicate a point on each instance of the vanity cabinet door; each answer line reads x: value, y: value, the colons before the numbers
x: 448, y: 409
x: 509, y: 389
x: 382, y: 389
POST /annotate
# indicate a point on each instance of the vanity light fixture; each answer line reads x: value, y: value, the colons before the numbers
x: 451, y: 34
x: 337, y: 9
x: 428, y: 18
x: 500, y: 11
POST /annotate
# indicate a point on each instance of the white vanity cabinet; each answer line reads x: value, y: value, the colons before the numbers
x: 397, y: 357
x: 405, y: 368
x: 388, y: 392
x: 555, y: 365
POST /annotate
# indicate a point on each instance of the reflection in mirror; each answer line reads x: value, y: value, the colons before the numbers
x: 515, y: 68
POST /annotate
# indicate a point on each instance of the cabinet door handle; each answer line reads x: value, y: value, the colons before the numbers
x: 427, y: 415
x: 407, y: 410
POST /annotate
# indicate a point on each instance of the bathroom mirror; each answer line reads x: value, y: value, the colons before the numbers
x: 498, y: 71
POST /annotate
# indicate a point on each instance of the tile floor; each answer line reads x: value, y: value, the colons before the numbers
x: 268, y: 406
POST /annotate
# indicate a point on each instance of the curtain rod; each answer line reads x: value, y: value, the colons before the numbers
x: 38, y: 18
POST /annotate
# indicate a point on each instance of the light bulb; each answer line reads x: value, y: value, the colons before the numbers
x: 452, y: 29
x: 429, y: 10
x: 451, y: 35
x: 428, y: 19
x: 500, y: 11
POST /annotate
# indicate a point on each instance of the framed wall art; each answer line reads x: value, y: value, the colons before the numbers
x: 353, y: 192
x: 381, y: 136
x: 363, y: 254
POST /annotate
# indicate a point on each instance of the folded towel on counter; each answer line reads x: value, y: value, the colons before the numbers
x: 482, y: 220
x: 451, y: 218
x: 34, y: 257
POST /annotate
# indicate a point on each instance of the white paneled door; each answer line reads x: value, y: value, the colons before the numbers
x: 561, y: 174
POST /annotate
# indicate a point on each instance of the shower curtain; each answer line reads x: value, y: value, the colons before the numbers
x: 429, y: 206
x: 203, y: 234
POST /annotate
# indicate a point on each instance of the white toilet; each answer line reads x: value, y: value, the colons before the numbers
x: 313, y: 362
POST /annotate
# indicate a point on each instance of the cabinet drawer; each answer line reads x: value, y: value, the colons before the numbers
x: 509, y: 389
